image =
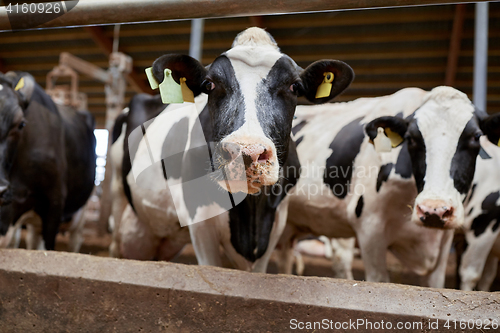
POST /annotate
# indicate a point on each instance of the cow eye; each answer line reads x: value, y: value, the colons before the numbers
x: 21, y: 125
x: 295, y: 88
x: 207, y: 86
x: 477, y: 136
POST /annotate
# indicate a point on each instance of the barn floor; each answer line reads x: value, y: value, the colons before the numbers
x: 314, y: 266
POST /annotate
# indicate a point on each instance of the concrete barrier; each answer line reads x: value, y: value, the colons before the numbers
x: 43, y: 291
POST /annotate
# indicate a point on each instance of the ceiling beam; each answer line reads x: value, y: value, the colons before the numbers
x: 105, y: 43
x: 455, y: 41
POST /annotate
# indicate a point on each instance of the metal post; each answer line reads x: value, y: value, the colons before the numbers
x: 481, y: 56
x: 196, y: 41
x: 120, y: 65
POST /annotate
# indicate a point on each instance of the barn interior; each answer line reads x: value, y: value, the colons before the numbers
x: 389, y: 49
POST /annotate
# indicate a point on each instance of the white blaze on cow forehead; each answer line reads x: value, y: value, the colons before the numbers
x: 441, y: 120
x: 253, y: 55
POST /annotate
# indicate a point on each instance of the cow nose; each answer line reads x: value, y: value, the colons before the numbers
x: 435, y: 213
x: 229, y: 151
x: 255, y: 153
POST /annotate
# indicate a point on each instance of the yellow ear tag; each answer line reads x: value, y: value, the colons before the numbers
x: 395, y: 138
x: 19, y: 84
x: 187, y: 94
x: 170, y: 91
x: 381, y: 142
x: 325, y: 88
x: 152, y: 80
x: 498, y: 144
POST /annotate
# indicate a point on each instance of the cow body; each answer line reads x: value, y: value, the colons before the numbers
x: 221, y: 165
x: 48, y: 164
x: 477, y: 268
x: 347, y: 189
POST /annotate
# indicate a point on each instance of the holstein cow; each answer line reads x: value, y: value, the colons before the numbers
x: 234, y: 186
x: 47, y: 156
x: 143, y: 238
x: 347, y: 189
x: 478, y: 264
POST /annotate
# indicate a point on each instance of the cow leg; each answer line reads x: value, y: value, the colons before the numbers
x: 118, y: 207
x: 489, y: 273
x: 373, y: 248
x: 436, y: 278
x: 76, y: 231
x: 206, y: 242
x: 474, y: 259
x: 13, y: 236
x: 137, y: 240
x: 33, y: 224
x: 50, y: 211
x: 285, y: 251
x: 342, y: 257
x: 299, y: 263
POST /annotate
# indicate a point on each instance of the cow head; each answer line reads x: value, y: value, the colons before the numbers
x: 252, y: 94
x: 15, y: 93
x: 442, y: 137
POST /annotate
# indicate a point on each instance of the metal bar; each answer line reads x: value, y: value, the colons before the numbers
x: 92, y: 12
x: 456, y: 39
x: 481, y: 56
x: 84, y: 67
x: 106, y: 44
x: 196, y: 41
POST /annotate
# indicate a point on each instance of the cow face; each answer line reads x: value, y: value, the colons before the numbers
x: 15, y: 92
x: 443, y: 141
x: 252, y: 93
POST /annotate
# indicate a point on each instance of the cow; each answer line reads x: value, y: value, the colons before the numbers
x: 408, y: 200
x: 47, y: 156
x: 228, y: 158
x: 136, y: 233
x: 340, y: 251
x: 478, y: 263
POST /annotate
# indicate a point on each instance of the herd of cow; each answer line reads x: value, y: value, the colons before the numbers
x: 245, y: 169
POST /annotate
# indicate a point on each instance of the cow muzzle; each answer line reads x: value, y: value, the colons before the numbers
x: 247, y: 166
x: 436, y: 214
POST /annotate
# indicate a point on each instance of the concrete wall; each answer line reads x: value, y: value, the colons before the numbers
x: 42, y: 291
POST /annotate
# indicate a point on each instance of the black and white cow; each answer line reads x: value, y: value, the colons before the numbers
x: 478, y: 262
x: 347, y: 189
x: 234, y: 186
x: 47, y: 156
x: 148, y: 229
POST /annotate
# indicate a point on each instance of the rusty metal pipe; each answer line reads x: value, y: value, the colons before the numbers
x: 93, y: 12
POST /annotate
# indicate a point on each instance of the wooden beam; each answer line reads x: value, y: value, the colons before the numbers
x: 455, y: 41
x: 105, y: 43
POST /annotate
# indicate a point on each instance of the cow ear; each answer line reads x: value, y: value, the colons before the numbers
x: 394, y: 128
x: 490, y: 125
x: 325, y: 79
x: 181, y: 66
x: 23, y: 84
